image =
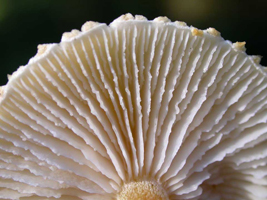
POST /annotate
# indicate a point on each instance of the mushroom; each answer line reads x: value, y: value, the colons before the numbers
x: 139, y: 109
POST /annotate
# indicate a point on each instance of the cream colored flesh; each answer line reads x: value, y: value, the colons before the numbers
x: 142, y: 190
x: 135, y: 100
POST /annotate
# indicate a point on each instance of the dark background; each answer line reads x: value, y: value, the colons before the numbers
x: 26, y: 23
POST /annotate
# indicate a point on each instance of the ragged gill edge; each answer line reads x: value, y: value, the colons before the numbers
x: 87, y: 27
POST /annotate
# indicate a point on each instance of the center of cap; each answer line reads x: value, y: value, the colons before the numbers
x: 142, y: 190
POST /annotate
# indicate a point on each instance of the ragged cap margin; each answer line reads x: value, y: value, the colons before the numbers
x: 45, y: 49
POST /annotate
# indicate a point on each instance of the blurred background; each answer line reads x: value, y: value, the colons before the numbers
x: 26, y: 23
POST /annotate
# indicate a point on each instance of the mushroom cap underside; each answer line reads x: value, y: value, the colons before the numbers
x: 155, y: 104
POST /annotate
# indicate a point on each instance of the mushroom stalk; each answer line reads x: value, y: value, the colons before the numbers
x: 148, y: 190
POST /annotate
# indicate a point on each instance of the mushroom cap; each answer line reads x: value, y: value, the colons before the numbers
x: 153, y: 105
